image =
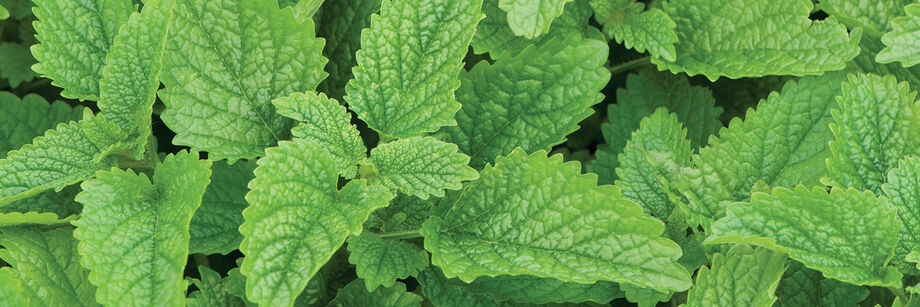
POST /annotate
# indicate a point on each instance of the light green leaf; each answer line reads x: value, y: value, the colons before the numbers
x: 11, y: 290
x: 535, y: 215
x: 875, y: 126
x: 874, y: 15
x: 131, y: 75
x: 848, y: 235
x: 341, y: 26
x: 354, y: 294
x: 532, y: 100
x: 134, y: 234
x: 901, y: 42
x: 528, y: 289
x: 305, y: 9
x: 380, y: 262
x: 75, y: 37
x: 47, y: 263
x: 32, y: 218
x: 903, y: 191
x: 324, y: 121
x: 23, y: 120
x: 211, y: 291
x: 630, y: 24
x: 743, y: 276
x: 802, y: 286
x: 60, y: 203
x: 4, y: 14
x: 214, y: 228
x: 645, y: 92
x: 404, y: 213
x: 755, y: 38
x: 420, y: 166
x: 18, y: 9
x: 16, y: 63
x: 660, y: 142
x: 414, y: 94
x: 228, y: 59
x: 530, y: 18
x: 493, y: 35
x: 782, y: 143
x: 297, y: 219
x: 63, y: 156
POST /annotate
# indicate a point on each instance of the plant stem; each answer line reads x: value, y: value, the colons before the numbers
x: 408, y: 234
x: 627, y: 66
x: 202, y: 260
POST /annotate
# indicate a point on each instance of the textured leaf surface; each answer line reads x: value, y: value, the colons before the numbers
x: 75, y: 37
x: 630, y: 24
x: 443, y: 292
x: 326, y: 122
x: 646, y: 91
x: 16, y: 63
x: 876, y: 125
x: 901, y: 41
x: 530, y: 18
x: 11, y: 290
x: 421, y: 166
x: 134, y: 234
x: 534, y: 215
x: 875, y: 15
x: 297, y: 219
x: 846, y: 234
x: 47, y: 263
x: 414, y: 94
x: 754, y: 38
x: 60, y: 203
x: 211, y: 291
x: 781, y: 143
x: 532, y: 100
x: 494, y: 36
x: 903, y: 191
x: 396, y: 296
x: 380, y: 262
x: 214, y: 228
x: 23, y: 120
x: 743, y: 276
x: 536, y: 290
x: 227, y: 60
x: 32, y: 218
x: 341, y: 24
x: 802, y: 286
x: 404, y: 213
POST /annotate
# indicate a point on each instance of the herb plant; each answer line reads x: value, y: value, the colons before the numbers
x: 459, y: 152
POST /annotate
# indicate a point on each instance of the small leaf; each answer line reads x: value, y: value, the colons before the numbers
x: 25, y: 119
x: 211, y: 291
x: 421, y: 166
x: 630, y: 24
x: 494, y: 36
x: 380, y: 262
x: 901, y: 41
x: 215, y: 227
x: 530, y: 18
x: 743, y: 276
x: 16, y: 62
x: 802, y: 286
x: 354, y: 294
x: 32, y: 218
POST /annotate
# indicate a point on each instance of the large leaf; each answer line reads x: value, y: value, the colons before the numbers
x: 420, y: 166
x: 535, y: 215
x: 23, y: 120
x: 380, y: 262
x: 215, y: 226
x: 743, y: 276
x: 134, y: 234
x: 297, y: 219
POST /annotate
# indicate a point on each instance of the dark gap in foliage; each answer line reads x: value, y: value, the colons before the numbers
x: 818, y: 15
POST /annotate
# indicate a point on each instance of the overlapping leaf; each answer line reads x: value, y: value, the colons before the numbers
x: 802, y: 286
x: 212, y: 291
x: 32, y: 218
x: 15, y: 63
x: 903, y: 190
x: 380, y: 262
x: 743, y: 276
x: 23, y: 120
x: 901, y: 42
x: 630, y: 24
x: 530, y: 18
x: 354, y: 294
x: 420, y: 166
x: 11, y: 290
x: 494, y: 36
x: 341, y: 26
x: 874, y: 15
x: 214, y: 228
x: 527, y: 289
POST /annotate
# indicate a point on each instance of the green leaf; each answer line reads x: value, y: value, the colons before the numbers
x: 75, y: 37
x: 32, y: 218
x: 63, y: 156
x: 420, y: 166
x: 47, y: 263
x: 11, y: 290
x: 535, y: 215
x: 380, y: 262
x: 528, y: 289
x: 443, y: 292
x: 228, y: 60
x: 903, y: 191
x: 802, y: 286
x: 848, y: 235
x: 297, y: 219
x: 493, y: 35
x: 532, y: 100
x: 396, y: 296
x: 60, y: 203
x: 324, y: 121
x: 16, y: 63
x: 530, y: 18
x: 743, y: 276
x: 901, y: 41
x: 874, y: 15
x: 211, y: 291
x: 134, y: 234
x: 414, y: 94
x: 782, y: 143
x: 630, y: 24
x: 214, y: 228
x: 4, y: 14
x: 755, y: 38
x: 18, y: 9
x: 875, y: 126
x: 341, y: 25
x: 660, y: 142
x: 404, y: 213
x: 305, y: 9
x: 645, y: 92
x: 23, y: 120
x: 131, y: 75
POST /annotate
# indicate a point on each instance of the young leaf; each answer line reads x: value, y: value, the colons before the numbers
x: 380, y: 262
x: 30, y: 117
x: 873, y: 15
x: 341, y: 24
x: 211, y: 291
x: 75, y: 38
x: 802, y: 286
x: 32, y: 218
x: 848, y: 235
x: 901, y: 42
x: 530, y: 18
x: 534, y: 215
x: 903, y: 191
x: 354, y: 294
x: 528, y: 289
x: 755, y: 38
x: 414, y: 94
x: 743, y: 276
x: 875, y: 126
x: 324, y: 121
x: 420, y: 166
x: 215, y: 227
x: 47, y: 263
x: 297, y: 219
x: 228, y: 59
x: 404, y: 213
x: 134, y: 234
x: 493, y: 35
x: 645, y: 297
x: 782, y: 143
x: 16, y: 63
x: 11, y: 290
x: 532, y: 100
x: 630, y: 24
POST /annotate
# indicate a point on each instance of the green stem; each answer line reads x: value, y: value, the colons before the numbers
x: 624, y: 67
x: 202, y: 260
x: 408, y: 234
